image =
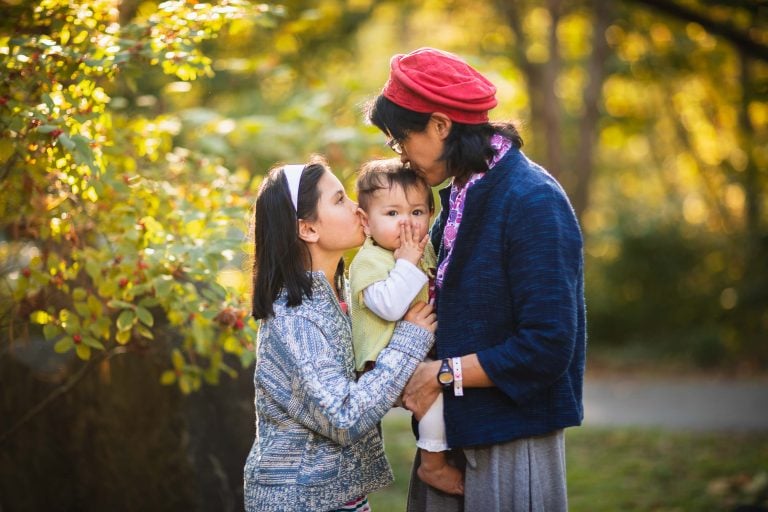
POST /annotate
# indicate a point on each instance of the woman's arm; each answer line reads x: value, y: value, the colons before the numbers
x: 544, y: 264
x: 543, y: 248
x: 423, y: 388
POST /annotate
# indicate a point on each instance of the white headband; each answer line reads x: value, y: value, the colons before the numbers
x: 293, y: 175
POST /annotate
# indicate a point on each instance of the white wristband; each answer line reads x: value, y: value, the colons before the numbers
x: 458, y: 388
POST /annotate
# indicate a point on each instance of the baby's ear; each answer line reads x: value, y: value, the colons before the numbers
x: 364, y: 221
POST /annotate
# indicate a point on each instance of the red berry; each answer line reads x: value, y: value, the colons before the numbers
x: 123, y: 282
x: 3, y: 100
x: 77, y: 339
x: 26, y: 272
x: 55, y: 133
x: 239, y: 324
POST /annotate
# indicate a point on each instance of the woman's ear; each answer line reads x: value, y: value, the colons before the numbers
x: 442, y: 124
x: 307, y: 231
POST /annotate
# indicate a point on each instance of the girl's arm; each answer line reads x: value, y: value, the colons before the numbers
x: 390, y: 298
x: 320, y: 394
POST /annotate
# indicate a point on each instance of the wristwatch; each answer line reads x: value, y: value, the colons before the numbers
x: 445, y: 374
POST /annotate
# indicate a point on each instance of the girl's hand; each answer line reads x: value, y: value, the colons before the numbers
x: 411, y: 246
x: 423, y: 315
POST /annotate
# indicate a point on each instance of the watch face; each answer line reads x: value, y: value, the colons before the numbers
x: 445, y: 377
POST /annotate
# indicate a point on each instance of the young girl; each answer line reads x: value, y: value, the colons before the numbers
x: 317, y: 443
x: 390, y: 272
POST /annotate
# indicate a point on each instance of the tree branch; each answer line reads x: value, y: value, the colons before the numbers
x: 738, y: 38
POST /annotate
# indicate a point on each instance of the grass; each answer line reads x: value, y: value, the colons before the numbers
x: 628, y: 469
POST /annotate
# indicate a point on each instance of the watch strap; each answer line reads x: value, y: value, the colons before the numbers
x: 458, y: 377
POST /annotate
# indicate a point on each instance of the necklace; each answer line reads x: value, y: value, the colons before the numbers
x: 340, y: 300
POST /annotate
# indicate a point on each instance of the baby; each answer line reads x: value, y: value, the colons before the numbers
x: 393, y: 269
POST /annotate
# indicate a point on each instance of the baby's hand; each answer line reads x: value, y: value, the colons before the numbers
x: 411, y: 247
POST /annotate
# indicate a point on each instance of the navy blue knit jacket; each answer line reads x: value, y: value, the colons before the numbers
x: 514, y: 294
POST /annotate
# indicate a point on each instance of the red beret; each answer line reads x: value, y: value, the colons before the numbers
x: 429, y: 80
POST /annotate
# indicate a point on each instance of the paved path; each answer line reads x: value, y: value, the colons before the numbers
x: 685, y: 403
x: 701, y: 404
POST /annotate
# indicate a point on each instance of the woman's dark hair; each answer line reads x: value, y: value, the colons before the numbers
x: 467, y: 148
x: 281, y: 258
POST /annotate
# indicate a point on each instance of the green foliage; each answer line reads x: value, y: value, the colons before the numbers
x: 112, y: 235
x: 127, y: 166
x: 662, y: 289
x: 676, y: 226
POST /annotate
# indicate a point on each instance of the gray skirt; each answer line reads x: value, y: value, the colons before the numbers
x: 525, y: 475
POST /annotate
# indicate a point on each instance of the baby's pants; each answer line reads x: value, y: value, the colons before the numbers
x: 432, y: 428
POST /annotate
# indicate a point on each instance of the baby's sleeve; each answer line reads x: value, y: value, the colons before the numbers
x: 391, y: 297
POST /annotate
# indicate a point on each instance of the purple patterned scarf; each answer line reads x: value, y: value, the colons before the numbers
x: 456, y: 205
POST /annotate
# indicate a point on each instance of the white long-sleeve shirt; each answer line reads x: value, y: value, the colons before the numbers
x: 390, y: 298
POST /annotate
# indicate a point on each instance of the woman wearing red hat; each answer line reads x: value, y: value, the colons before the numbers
x: 510, y: 337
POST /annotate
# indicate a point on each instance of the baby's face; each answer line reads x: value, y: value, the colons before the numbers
x: 389, y: 208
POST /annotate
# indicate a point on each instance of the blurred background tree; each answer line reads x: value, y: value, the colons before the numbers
x: 134, y: 135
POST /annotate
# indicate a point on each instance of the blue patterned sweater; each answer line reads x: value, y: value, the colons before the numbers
x: 317, y: 443
x: 514, y: 294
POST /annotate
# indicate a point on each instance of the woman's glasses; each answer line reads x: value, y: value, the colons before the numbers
x: 395, y: 146
x: 393, y: 143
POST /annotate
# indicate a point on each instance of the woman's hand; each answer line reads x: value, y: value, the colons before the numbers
x: 423, y: 315
x: 422, y: 389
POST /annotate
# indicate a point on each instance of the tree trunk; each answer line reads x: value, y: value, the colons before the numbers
x: 751, y: 176
x: 589, y: 122
x: 753, y: 290
x: 545, y: 111
x: 550, y: 106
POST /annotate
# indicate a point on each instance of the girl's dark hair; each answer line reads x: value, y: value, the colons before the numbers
x: 384, y: 174
x: 467, y: 148
x: 281, y: 258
